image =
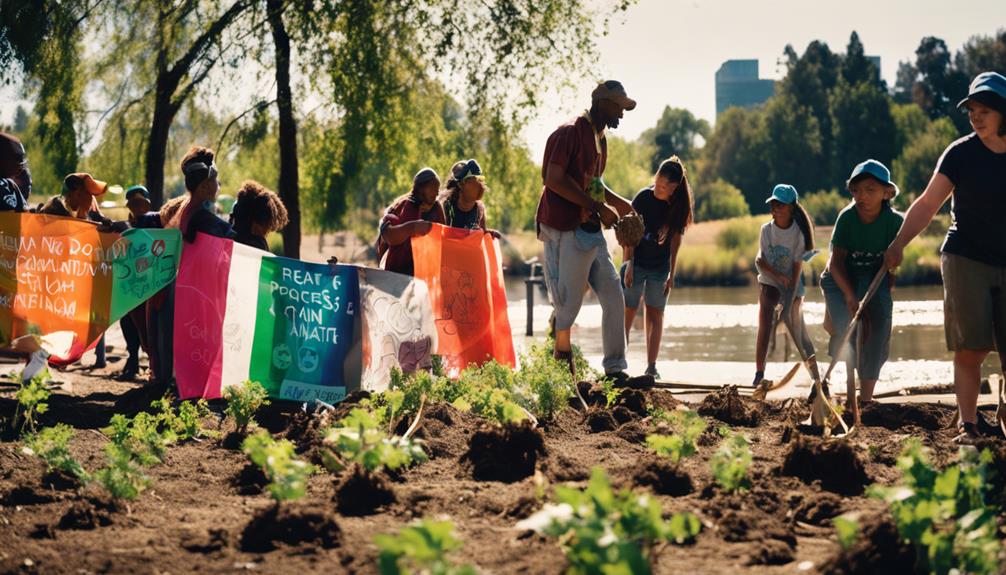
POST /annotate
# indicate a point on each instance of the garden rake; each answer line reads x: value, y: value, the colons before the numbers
x: 821, y: 411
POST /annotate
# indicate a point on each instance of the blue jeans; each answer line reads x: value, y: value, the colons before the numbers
x: 876, y: 319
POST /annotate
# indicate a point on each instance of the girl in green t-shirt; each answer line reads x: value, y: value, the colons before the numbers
x: 862, y: 232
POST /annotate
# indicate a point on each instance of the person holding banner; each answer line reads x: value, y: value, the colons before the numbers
x: 574, y: 204
x: 408, y: 216
x: 15, y: 178
x: 15, y: 185
x: 255, y: 214
x: 462, y: 202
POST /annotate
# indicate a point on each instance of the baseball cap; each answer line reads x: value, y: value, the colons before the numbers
x: 875, y: 169
x: 464, y: 169
x: 784, y: 193
x: 988, y: 88
x: 137, y: 190
x: 614, y: 91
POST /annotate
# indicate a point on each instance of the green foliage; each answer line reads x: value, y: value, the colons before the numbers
x: 243, y: 401
x: 545, y: 384
x: 687, y: 427
x: 123, y: 477
x: 186, y: 423
x: 944, y: 514
x: 847, y: 529
x: 731, y: 462
x: 31, y: 398
x: 420, y: 548
x: 677, y: 132
x: 287, y: 475
x: 740, y: 235
x: 51, y: 444
x: 358, y: 438
x: 628, y: 169
x: 719, y: 200
x: 913, y: 168
x: 138, y: 437
x: 824, y: 206
x: 604, y: 531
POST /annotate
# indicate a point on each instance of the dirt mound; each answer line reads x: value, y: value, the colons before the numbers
x: 289, y: 525
x: 251, y: 480
x: 87, y: 514
x: 633, y: 401
x: 445, y: 430
x: 662, y: 476
x: 771, y: 552
x: 638, y: 382
x: 507, y: 453
x: 895, y: 416
x: 832, y: 462
x: 727, y: 405
x: 633, y: 432
x: 592, y: 393
x: 360, y: 493
x: 600, y: 419
x: 877, y: 549
x: 819, y: 509
x: 30, y: 496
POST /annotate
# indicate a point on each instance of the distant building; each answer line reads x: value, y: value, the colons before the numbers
x: 737, y: 84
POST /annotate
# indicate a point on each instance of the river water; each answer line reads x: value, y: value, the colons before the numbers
x: 709, y: 337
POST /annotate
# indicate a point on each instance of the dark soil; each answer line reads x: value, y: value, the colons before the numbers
x: 832, y: 462
x: 507, y: 453
x: 206, y: 510
x: 664, y: 477
x: 728, y: 406
x: 289, y: 525
x: 360, y: 493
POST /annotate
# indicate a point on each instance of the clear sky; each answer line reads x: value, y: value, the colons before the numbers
x: 666, y: 52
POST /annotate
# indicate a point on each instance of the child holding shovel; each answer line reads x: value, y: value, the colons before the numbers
x: 784, y: 242
x: 862, y: 232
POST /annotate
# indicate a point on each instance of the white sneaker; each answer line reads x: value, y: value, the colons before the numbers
x: 36, y: 363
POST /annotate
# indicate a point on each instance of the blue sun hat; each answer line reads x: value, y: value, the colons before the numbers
x: 988, y: 88
x: 875, y: 169
x: 784, y: 193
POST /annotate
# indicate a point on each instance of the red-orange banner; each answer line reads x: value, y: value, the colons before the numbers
x: 464, y: 272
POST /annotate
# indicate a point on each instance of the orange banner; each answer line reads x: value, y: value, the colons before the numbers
x: 464, y: 273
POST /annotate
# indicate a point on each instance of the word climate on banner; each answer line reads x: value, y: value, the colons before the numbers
x: 464, y: 273
x: 288, y: 324
x: 64, y: 282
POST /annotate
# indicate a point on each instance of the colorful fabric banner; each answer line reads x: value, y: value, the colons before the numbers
x: 241, y: 313
x: 398, y: 327
x: 64, y: 282
x: 464, y: 272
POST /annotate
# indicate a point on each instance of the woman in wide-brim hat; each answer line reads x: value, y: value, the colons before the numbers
x: 973, y: 170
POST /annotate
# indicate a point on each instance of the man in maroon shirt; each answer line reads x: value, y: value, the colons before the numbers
x: 574, y: 204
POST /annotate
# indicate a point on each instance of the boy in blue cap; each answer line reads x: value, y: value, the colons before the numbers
x: 862, y: 233
x: 973, y: 259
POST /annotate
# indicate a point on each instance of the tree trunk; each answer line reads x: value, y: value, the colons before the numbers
x: 157, y: 147
x: 288, y: 170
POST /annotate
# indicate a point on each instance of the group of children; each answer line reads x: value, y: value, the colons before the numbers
x: 862, y: 233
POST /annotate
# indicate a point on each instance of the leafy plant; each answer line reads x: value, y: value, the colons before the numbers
x: 730, y: 463
x: 122, y: 477
x: 688, y: 427
x: 31, y: 399
x: 359, y: 438
x: 287, y: 475
x: 138, y: 437
x: 420, y: 548
x: 943, y: 514
x: 51, y: 444
x: 545, y: 384
x: 847, y: 529
x: 186, y: 423
x: 243, y: 401
x: 603, y: 531
x: 494, y: 404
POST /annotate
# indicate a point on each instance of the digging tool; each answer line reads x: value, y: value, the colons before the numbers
x: 767, y: 385
x: 817, y: 411
x: 1001, y: 408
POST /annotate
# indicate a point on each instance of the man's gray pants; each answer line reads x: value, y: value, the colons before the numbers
x: 573, y: 260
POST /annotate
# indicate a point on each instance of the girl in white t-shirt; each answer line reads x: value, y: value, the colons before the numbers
x: 785, y: 240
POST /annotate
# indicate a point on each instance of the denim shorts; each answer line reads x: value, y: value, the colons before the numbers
x: 647, y: 283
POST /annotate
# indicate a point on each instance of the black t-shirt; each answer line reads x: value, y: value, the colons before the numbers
x: 465, y: 220
x: 11, y: 199
x: 656, y: 215
x: 979, y: 203
x: 249, y: 239
x: 203, y: 220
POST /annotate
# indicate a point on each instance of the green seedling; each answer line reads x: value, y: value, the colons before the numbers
x: 31, y: 399
x: 243, y: 401
x: 423, y: 547
x: 287, y: 475
x: 688, y: 426
x: 138, y: 437
x: 359, y: 438
x: 51, y: 445
x: 122, y: 477
x: 186, y: 423
x: 731, y: 462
